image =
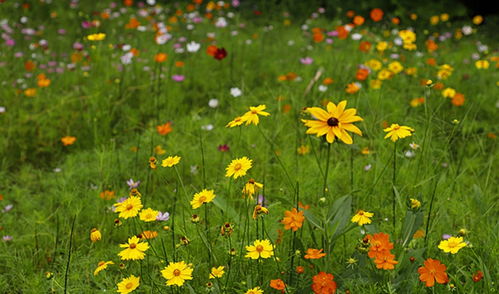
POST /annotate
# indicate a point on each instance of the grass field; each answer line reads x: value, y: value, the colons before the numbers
x: 98, y: 96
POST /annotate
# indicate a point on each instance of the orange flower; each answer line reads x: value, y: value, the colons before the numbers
x: 107, y: 194
x: 293, y: 219
x: 160, y: 57
x: 431, y: 45
x: 342, y: 32
x: 318, y: 37
x: 396, y: 20
x: 380, y: 245
x: 314, y: 254
x: 352, y: 88
x: 350, y: 13
x: 323, y: 283
x: 365, y: 46
x: 179, y: 64
x: 386, y: 262
x: 433, y: 271
x: 148, y: 235
x: 358, y: 20
x: 30, y: 92
x: 300, y: 269
x: 458, y: 99
x: 376, y: 14
x: 431, y: 61
x: 29, y: 65
x: 303, y: 206
x: 327, y: 81
x: 361, y: 74
x: 164, y: 129
x: 477, y: 276
x: 278, y: 285
x: 211, y: 50
x: 132, y: 24
x: 128, y: 2
x: 42, y: 83
x: 68, y: 140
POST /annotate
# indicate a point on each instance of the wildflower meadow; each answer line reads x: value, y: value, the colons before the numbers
x: 248, y: 147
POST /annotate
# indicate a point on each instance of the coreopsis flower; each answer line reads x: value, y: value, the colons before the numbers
x: 30, y: 92
x: 333, y: 123
x: 170, y: 161
x: 147, y: 235
x: 251, y: 187
x: 205, y: 196
x: 238, y: 167
x: 235, y: 122
x: 95, y: 235
x: 458, y: 99
x: 176, y: 273
x: 278, y: 284
x: 323, y: 283
x: 385, y: 74
x: 129, y: 284
x: 129, y: 207
x: 362, y: 217
x: 134, y: 249
x: 251, y: 117
x: 107, y: 194
x: 256, y: 290
x: 395, y: 67
x: 293, y: 219
x: 314, y: 253
x: 259, y: 210
x: 303, y: 149
x: 433, y: 271
x: 68, y: 140
x: 385, y: 261
x: 148, y: 215
x: 96, y: 37
x: 482, y: 64
x: 153, y: 162
x: 260, y: 249
x: 452, y: 245
x: 414, y: 203
x: 217, y: 272
x: 448, y: 93
x: 396, y: 132
x: 164, y: 129
x: 102, y: 265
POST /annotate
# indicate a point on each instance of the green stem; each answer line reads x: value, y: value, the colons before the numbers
x: 394, y: 178
x: 324, y: 187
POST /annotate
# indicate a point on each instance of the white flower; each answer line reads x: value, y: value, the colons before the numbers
x: 193, y: 47
x: 163, y: 38
x: 127, y: 58
x: 322, y: 88
x: 2, y: 109
x: 409, y: 154
x: 248, y: 42
x: 414, y: 146
x: 151, y: 2
x: 235, y: 92
x: 356, y: 36
x: 207, y: 127
x: 398, y: 41
x: 467, y: 30
x: 213, y: 103
x: 221, y: 22
x: 291, y: 43
x: 126, y: 47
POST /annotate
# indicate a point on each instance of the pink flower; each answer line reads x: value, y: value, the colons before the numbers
x: 306, y: 60
x: 178, y: 78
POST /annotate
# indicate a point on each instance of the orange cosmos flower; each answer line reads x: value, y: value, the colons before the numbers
x: 376, y: 14
x: 358, y: 20
x: 68, y: 140
x: 211, y: 50
x: 293, y: 219
x: 458, y: 99
x: 323, y: 283
x: 314, y: 254
x: 164, y: 129
x: 278, y: 284
x: 160, y: 57
x: 386, y: 261
x: 365, y: 46
x: 433, y: 271
x: 362, y: 74
x: 380, y: 245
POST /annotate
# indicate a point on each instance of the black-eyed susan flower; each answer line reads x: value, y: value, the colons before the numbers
x: 238, y: 167
x: 134, y: 249
x: 102, y: 265
x: 217, y: 272
x: 129, y: 284
x: 333, y: 123
x: 170, y: 161
x: 148, y: 215
x: 452, y: 245
x: 202, y: 197
x: 260, y: 249
x: 130, y: 207
x: 396, y: 132
x: 176, y: 273
x: 251, y: 117
x: 362, y: 217
x: 95, y: 235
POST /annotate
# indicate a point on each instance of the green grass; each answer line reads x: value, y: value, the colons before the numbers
x: 114, y: 116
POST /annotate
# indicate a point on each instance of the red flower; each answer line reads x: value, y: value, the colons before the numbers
x: 323, y: 283
x: 478, y: 276
x: 220, y: 54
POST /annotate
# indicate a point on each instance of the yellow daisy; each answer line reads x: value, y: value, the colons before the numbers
x: 255, y: 290
x: 260, y: 249
x: 148, y: 215
x: 235, y: 122
x: 362, y: 217
x: 134, y: 249
x: 251, y: 187
x: 452, y: 245
x: 170, y: 161
x: 129, y: 284
x: 129, y: 207
x: 396, y: 132
x: 238, y: 167
x: 217, y: 272
x: 102, y: 265
x: 333, y: 123
x: 176, y: 273
x: 251, y: 117
x: 202, y: 197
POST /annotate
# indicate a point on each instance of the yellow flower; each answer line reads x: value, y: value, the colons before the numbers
x: 148, y: 215
x: 129, y: 284
x: 251, y: 187
x: 482, y: 64
x: 68, y: 140
x: 303, y: 149
x: 407, y: 36
x: 444, y: 17
x: 255, y: 290
x: 30, y: 92
x: 176, y: 273
x: 382, y: 46
x: 448, y: 92
x: 395, y: 67
x: 238, y: 167
x: 434, y: 19
x: 235, y: 122
x: 251, y: 117
x: 134, y: 249
x: 384, y: 74
x: 217, y: 272
x: 374, y: 64
x: 375, y: 84
x: 102, y: 265
x: 362, y: 217
x: 478, y: 19
x: 333, y: 123
x: 396, y: 132
x: 129, y: 207
x: 452, y: 245
x: 260, y: 249
x: 96, y: 37
x: 159, y: 150
x: 170, y: 161
x: 202, y: 197
x: 415, y: 204
x: 95, y: 235
x: 411, y: 71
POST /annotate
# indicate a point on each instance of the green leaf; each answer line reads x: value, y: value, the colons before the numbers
x: 413, y: 220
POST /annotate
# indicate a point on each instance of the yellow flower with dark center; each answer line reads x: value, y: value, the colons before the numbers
x: 259, y: 210
x: 395, y: 67
x: 333, y: 123
x: 448, y: 92
x: 176, y: 273
x: 396, y: 132
x: 362, y: 217
x: 482, y: 64
x: 102, y: 265
x: 256, y: 290
x: 251, y: 187
x: 260, y: 249
x: 96, y: 37
x: 384, y: 74
x: 129, y: 207
x: 452, y: 245
x: 235, y: 122
x: 95, y: 235
x: 217, y: 272
x: 134, y: 249
x: 129, y: 284
x: 148, y: 215
x: 251, y: 117
x: 238, y: 167
x: 170, y: 161
x: 202, y: 197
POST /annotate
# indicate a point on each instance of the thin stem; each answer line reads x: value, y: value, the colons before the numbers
x: 69, y: 255
x: 394, y: 179
x: 324, y: 187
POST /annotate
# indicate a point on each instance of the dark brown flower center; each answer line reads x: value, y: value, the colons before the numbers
x: 133, y: 245
x: 332, y: 122
x: 176, y: 272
